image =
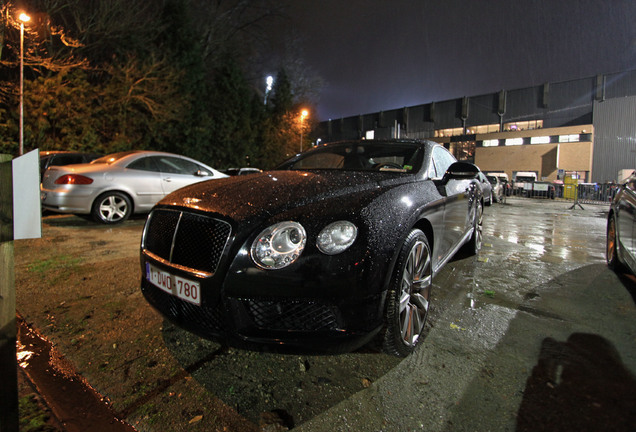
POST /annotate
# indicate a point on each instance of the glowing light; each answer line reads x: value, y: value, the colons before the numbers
x: 407, y: 201
x: 24, y: 17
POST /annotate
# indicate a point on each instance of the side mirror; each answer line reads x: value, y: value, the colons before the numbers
x: 460, y: 171
x: 201, y: 173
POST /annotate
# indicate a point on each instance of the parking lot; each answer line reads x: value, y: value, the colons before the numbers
x: 533, y: 332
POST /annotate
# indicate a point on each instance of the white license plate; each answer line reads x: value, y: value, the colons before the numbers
x: 177, y: 286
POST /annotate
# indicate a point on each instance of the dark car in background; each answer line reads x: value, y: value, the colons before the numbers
x: 337, y: 245
x: 241, y: 171
x: 60, y: 158
x: 486, y: 188
x: 497, y: 186
x: 620, y: 245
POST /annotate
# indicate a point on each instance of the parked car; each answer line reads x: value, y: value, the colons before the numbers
x: 242, y: 171
x: 57, y: 158
x: 335, y: 246
x: 486, y: 188
x: 497, y: 188
x: 620, y: 246
x: 115, y: 186
x: 541, y: 189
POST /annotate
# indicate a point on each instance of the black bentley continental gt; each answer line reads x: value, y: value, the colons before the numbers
x: 336, y: 246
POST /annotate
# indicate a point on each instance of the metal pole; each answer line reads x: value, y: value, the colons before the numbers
x: 301, y: 134
x: 21, y: 88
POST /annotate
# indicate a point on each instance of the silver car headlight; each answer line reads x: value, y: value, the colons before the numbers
x: 279, y: 245
x: 336, y: 237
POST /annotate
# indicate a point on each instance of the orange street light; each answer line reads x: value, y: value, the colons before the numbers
x: 304, y: 113
x: 23, y: 18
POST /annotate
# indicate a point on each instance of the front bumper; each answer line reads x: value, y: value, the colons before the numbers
x: 305, y: 324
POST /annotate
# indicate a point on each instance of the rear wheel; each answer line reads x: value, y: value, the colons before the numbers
x: 611, y: 250
x: 489, y: 202
x: 474, y: 244
x: 111, y: 208
x: 409, y: 296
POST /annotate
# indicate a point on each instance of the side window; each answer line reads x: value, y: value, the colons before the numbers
x: 440, y: 162
x: 174, y: 165
x: 144, y: 164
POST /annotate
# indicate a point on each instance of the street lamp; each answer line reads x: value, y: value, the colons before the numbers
x: 269, y: 81
x: 303, y: 114
x: 23, y: 18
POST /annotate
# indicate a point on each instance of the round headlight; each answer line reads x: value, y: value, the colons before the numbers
x: 279, y: 245
x: 336, y: 237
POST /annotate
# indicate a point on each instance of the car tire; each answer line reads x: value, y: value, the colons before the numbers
x: 611, y: 249
x: 409, y: 296
x: 474, y: 244
x: 111, y: 208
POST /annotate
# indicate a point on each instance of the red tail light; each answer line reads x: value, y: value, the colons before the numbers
x: 74, y: 179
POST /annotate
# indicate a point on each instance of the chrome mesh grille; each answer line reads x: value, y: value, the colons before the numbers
x: 186, y: 239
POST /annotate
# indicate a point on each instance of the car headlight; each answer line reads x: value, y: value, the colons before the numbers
x: 279, y: 245
x: 336, y: 237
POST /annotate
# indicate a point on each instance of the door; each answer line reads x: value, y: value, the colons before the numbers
x: 177, y: 173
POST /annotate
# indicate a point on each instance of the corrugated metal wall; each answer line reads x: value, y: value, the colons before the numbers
x: 614, y: 138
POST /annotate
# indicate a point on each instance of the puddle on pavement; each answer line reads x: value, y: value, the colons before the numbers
x: 76, y: 405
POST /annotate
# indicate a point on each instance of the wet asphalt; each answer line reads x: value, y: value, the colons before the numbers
x: 536, y: 333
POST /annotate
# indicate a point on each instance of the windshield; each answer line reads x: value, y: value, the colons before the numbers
x: 394, y: 157
x: 109, y: 159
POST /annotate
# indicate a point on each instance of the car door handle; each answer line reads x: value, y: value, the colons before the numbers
x: 167, y: 179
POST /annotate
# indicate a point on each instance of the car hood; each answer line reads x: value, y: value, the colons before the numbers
x: 273, y: 192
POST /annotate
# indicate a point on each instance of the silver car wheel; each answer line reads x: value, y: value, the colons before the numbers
x: 408, y: 299
x: 415, y: 293
x: 479, y: 220
x: 113, y: 207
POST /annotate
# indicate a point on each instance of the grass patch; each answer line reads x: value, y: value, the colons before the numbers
x: 32, y: 417
x: 45, y: 268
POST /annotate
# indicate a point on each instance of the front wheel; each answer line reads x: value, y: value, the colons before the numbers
x: 409, y: 296
x: 111, y: 208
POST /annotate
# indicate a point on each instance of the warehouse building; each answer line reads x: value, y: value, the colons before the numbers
x: 584, y: 127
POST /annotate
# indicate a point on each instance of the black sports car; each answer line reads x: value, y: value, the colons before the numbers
x: 620, y: 247
x: 336, y: 245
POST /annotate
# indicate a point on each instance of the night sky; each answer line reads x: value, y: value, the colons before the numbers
x: 384, y: 54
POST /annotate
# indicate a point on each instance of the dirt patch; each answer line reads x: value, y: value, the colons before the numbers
x: 79, y: 286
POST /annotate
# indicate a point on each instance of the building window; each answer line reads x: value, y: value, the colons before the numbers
x: 463, y: 150
x: 540, y: 140
x: 490, y: 143
x: 569, y: 138
x: 471, y: 130
x: 523, y: 125
x: 514, y: 141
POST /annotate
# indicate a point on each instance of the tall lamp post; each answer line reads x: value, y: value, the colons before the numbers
x: 303, y: 114
x: 269, y: 81
x: 23, y: 18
